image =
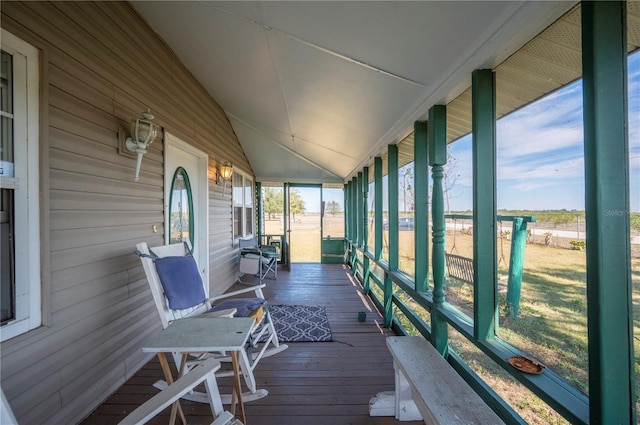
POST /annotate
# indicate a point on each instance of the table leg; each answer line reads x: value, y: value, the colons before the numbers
x: 175, y: 408
x: 237, y: 387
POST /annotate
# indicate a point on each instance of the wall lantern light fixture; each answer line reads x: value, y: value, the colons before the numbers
x: 224, y: 174
x: 143, y: 133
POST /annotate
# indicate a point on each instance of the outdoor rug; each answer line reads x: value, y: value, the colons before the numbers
x: 300, y: 323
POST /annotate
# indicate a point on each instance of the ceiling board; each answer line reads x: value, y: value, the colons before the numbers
x: 314, y: 90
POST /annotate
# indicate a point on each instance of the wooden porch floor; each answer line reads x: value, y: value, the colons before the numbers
x: 328, y: 383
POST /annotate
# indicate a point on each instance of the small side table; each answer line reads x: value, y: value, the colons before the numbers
x: 202, y: 335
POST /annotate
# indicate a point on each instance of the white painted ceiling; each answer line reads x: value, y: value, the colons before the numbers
x: 314, y: 90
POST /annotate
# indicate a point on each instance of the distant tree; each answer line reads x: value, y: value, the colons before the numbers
x: 296, y: 203
x: 635, y: 221
x: 333, y: 207
x: 407, y: 187
x: 451, y: 176
x: 273, y: 202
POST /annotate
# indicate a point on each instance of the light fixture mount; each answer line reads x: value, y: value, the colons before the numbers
x: 143, y: 133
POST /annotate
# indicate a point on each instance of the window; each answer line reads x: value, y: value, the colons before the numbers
x: 181, y: 208
x: 243, y: 213
x: 19, y: 200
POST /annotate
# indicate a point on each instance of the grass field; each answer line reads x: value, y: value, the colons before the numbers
x: 551, y: 326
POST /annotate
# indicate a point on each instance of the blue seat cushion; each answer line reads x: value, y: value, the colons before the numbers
x: 181, y: 281
x: 245, y: 306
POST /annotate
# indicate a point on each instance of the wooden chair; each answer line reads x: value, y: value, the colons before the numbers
x: 263, y: 341
x: 203, y: 372
x: 259, y: 260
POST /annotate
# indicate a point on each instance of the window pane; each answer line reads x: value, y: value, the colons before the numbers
x: 459, y: 239
x: 273, y: 212
x: 385, y: 217
x: 372, y: 214
x: 237, y: 206
x: 181, y: 207
x: 406, y: 224
x: 248, y: 206
x: 7, y: 278
x: 7, y: 287
x: 6, y: 122
x: 333, y: 218
x: 552, y: 293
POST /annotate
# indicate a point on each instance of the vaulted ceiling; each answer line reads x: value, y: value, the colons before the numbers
x: 314, y: 90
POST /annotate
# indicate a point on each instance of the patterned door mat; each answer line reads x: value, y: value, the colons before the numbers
x: 300, y: 323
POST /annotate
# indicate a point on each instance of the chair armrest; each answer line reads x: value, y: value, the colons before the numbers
x: 173, y: 392
x: 252, y: 288
x: 252, y: 250
x: 229, y: 312
x: 268, y: 248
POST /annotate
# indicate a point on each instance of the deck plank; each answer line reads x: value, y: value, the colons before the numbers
x: 319, y: 383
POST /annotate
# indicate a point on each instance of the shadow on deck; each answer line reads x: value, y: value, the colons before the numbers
x: 310, y: 383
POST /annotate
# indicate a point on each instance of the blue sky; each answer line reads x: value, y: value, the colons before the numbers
x: 541, y: 153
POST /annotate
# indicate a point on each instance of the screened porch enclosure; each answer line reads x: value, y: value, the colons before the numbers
x: 475, y: 169
x: 401, y: 243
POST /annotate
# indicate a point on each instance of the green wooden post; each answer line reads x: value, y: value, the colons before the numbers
x: 258, y: 210
x: 347, y: 210
x: 286, y: 255
x: 354, y: 224
x: 356, y: 203
x: 421, y: 211
x: 610, y: 313
x: 483, y: 124
x: 361, y: 222
x: 516, y: 265
x: 378, y: 213
x: 392, y: 167
x: 437, y: 142
x: 365, y: 229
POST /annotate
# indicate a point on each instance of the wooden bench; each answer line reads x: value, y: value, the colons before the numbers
x: 428, y: 388
x: 460, y: 267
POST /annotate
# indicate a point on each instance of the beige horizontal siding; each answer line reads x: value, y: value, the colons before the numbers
x: 102, y: 67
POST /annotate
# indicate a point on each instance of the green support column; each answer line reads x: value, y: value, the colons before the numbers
x: 610, y: 314
x: 378, y: 213
x: 360, y: 209
x: 437, y: 143
x: 345, y: 194
x: 365, y: 229
x: 421, y: 211
x: 516, y: 265
x: 392, y: 168
x: 354, y: 203
x: 286, y: 255
x: 348, y: 212
x: 483, y: 123
x: 354, y: 223
x: 259, y: 208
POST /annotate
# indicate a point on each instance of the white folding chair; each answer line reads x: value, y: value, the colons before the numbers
x: 263, y: 341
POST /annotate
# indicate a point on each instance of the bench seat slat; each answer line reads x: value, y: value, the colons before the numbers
x: 441, y: 395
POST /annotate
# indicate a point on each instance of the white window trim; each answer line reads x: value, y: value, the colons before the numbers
x: 246, y: 232
x: 26, y: 179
